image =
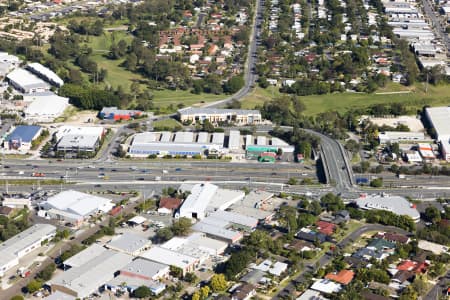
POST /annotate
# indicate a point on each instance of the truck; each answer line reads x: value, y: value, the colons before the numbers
x: 23, y: 272
x: 158, y: 178
x: 401, y: 176
x: 37, y: 174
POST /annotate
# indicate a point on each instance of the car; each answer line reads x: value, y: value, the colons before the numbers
x: 98, y: 185
x: 113, y: 170
x: 178, y: 169
x: 141, y: 178
x: 6, y: 167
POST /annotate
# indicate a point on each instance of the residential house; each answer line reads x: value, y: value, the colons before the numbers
x: 382, y: 246
x: 393, y: 237
x: 326, y: 228
x: 312, y: 236
x: 243, y: 292
x: 6, y: 211
x: 168, y: 205
x: 343, y: 277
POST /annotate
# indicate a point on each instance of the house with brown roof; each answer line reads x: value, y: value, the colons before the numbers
x: 244, y: 292
x: 168, y: 205
x: 393, y: 237
x: 6, y: 211
x: 343, y: 277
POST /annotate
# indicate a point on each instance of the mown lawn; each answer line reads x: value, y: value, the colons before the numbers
x: 415, y: 99
x: 167, y: 123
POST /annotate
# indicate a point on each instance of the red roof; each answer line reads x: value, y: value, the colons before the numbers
x: 343, y: 277
x: 325, y: 227
x: 169, y: 203
x: 115, y: 210
x: 409, y: 265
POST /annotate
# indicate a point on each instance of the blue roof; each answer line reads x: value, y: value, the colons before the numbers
x: 24, y: 132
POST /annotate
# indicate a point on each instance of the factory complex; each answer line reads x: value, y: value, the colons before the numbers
x: 190, y: 143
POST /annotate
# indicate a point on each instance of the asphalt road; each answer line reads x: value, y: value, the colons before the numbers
x: 250, y: 75
x: 325, y: 259
x: 435, y: 20
x: 438, y: 289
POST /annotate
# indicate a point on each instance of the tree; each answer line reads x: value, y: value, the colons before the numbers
x: 332, y: 202
x: 292, y: 181
x: 17, y: 297
x: 204, y: 292
x: 47, y: 272
x: 164, y: 234
x: 377, y: 182
x: 218, y: 283
x: 131, y: 62
x: 234, y: 84
x: 182, y: 226
x: 34, y: 286
x: 75, y: 76
x: 432, y: 214
x: 195, y: 296
x: 142, y: 292
x: 190, y: 277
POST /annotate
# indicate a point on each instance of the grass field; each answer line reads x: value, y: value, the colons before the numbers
x: 415, y: 99
x: 118, y: 76
x: 167, y: 123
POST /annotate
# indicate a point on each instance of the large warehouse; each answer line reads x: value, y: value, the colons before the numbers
x: 26, y: 82
x: 395, y: 204
x: 23, y: 243
x: 45, y: 107
x: 177, y: 143
x: 94, y: 271
x: 22, y: 137
x: 196, y: 203
x: 216, y: 115
x: 75, y: 139
x: 439, y: 118
x: 75, y: 207
x: 45, y: 73
x: 204, y: 143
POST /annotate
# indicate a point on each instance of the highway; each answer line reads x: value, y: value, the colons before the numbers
x: 325, y: 259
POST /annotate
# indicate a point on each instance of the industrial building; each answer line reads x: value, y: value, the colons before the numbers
x: 26, y: 82
x: 395, y: 204
x: 438, y: 118
x: 204, y: 144
x: 400, y: 136
x: 113, y: 113
x: 129, y: 243
x: 145, y: 269
x: 8, y: 63
x: 129, y: 284
x: 22, y: 137
x: 23, y: 243
x: 218, y: 115
x: 79, y: 130
x: 44, y: 107
x: 177, y: 143
x: 75, y: 207
x: 45, y: 73
x: 196, y: 203
x: 87, y: 278
x: 172, y: 258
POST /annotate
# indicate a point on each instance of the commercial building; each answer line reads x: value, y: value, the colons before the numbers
x: 86, y: 279
x: 400, y: 136
x: 218, y: 115
x: 8, y: 63
x: 255, y: 205
x: 26, y: 82
x: 79, y: 139
x: 84, y: 256
x: 395, y: 204
x: 45, y: 73
x: 426, y: 151
x: 14, y: 202
x: 44, y: 107
x: 113, y: 113
x: 218, y: 231
x: 129, y: 243
x: 172, y: 258
x: 23, y: 243
x: 22, y: 137
x: 75, y: 207
x: 130, y: 284
x: 438, y: 118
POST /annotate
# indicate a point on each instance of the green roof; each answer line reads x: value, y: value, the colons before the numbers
x: 380, y: 244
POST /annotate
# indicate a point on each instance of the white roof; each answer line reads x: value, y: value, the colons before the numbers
x: 224, y: 198
x: 37, y: 67
x: 9, y: 249
x: 80, y: 141
x: 234, y: 140
x: 46, y: 105
x: 235, y: 218
x: 169, y: 257
x: 278, y: 268
x: 57, y: 295
x: 26, y: 79
x: 86, y: 255
x: 145, y: 267
x: 198, y: 199
x: 87, y: 278
x: 311, y: 295
x: 129, y: 243
x: 439, y: 116
x: 218, y: 138
x: 395, y: 204
x: 79, y: 130
x: 201, y: 241
x: 432, y: 247
x: 217, y: 231
x: 326, y: 286
x: 184, y: 137
x: 137, y: 220
x: 78, y: 203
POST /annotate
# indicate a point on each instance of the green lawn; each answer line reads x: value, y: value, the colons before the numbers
x: 416, y: 99
x: 164, y: 98
x: 167, y: 123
